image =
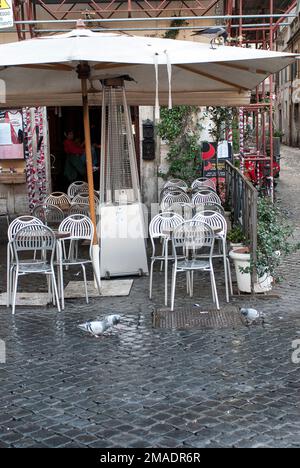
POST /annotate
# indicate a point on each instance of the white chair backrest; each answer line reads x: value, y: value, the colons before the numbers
x: 170, y: 199
x: 203, y: 182
x: 192, y: 236
x: 77, y: 187
x: 59, y: 199
x: 176, y: 183
x: 78, y: 226
x: 211, y: 206
x: 214, y: 220
x: 41, y: 238
x: 164, y: 222
x: 50, y: 214
x: 205, y: 197
x: 83, y: 198
x: 79, y: 208
x: 171, y: 189
x: 21, y: 222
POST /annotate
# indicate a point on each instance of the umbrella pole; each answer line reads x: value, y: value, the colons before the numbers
x: 89, y: 169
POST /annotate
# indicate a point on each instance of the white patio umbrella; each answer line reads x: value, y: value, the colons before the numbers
x: 45, y: 71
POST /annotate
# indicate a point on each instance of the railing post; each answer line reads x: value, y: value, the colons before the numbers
x: 244, y: 198
x: 254, y: 237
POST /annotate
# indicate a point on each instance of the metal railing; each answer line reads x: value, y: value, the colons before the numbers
x: 242, y: 197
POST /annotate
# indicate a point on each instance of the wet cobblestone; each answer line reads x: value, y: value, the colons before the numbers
x: 143, y: 387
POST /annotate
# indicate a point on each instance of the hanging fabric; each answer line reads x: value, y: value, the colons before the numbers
x: 169, y: 71
x: 157, y: 111
x: 40, y: 155
x: 30, y: 169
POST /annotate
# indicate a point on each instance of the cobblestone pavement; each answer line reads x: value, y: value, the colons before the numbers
x: 143, y: 387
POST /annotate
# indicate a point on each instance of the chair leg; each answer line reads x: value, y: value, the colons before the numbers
x: 215, y: 289
x: 225, y: 270
x: 192, y: 284
x: 61, y: 279
x: 8, y: 277
x: 166, y: 273
x: 151, y: 278
x: 55, y: 289
x: 163, y: 254
x: 85, y: 283
x: 212, y: 289
x: 50, y: 289
x: 14, y: 296
x: 173, y: 288
x: 188, y: 282
x: 229, y: 276
x: 11, y: 282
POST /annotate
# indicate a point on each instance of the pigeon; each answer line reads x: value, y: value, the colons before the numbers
x: 98, y: 327
x: 251, y: 315
x: 214, y: 32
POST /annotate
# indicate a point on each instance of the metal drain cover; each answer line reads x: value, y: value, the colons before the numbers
x: 193, y: 317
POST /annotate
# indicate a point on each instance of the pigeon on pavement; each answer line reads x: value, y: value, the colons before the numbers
x: 214, y: 32
x: 98, y: 327
x: 251, y: 315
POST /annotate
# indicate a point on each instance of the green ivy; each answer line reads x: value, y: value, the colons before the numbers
x: 173, y: 33
x: 222, y: 118
x: 274, y: 236
x: 180, y: 128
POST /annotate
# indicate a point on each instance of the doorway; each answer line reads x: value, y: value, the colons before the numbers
x: 63, y: 119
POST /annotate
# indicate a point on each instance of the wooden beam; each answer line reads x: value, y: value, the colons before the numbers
x: 212, y: 77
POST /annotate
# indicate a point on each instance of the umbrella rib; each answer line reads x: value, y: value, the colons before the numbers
x: 212, y: 77
x: 240, y: 67
x: 56, y: 67
x: 107, y: 66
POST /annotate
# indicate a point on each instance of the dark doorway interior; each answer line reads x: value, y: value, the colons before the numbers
x: 63, y: 119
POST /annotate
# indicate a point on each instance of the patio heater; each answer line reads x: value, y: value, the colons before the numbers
x: 122, y: 229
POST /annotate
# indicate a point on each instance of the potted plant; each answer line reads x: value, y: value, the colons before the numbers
x: 273, y: 234
x: 236, y: 237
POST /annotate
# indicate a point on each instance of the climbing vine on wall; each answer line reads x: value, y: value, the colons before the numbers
x: 180, y: 128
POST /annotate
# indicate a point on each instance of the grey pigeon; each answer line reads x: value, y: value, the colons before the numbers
x: 98, y: 327
x: 214, y: 32
x: 251, y: 315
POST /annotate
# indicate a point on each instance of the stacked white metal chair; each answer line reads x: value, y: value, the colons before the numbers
x: 161, y: 227
x: 50, y: 215
x: 79, y: 208
x: 203, y: 182
x: 83, y: 198
x: 204, y: 197
x: 210, y: 206
x: 171, y: 199
x: 218, y: 223
x: 13, y: 228
x: 59, y: 199
x: 189, y: 240
x: 37, y: 239
x: 176, y: 183
x: 77, y: 187
x: 79, y: 228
